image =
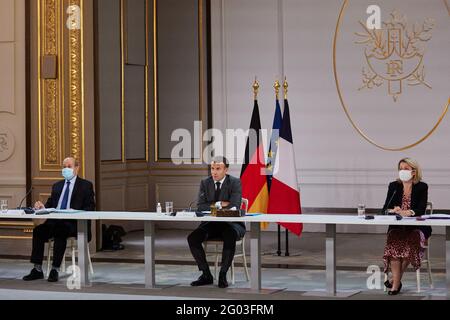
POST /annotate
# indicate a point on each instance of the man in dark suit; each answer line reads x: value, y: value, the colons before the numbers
x: 227, y: 190
x: 70, y: 193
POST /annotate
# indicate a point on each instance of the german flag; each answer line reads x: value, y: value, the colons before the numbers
x: 253, y: 174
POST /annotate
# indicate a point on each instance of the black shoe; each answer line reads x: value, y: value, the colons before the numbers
x: 395, y: 292
x: 223, y: 283
x: 34, y: 275
x: 388, y: 284
x: 53, y: 276
x: 203, y: 280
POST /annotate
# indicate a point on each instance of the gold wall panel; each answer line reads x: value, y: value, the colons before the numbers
x: 60, y: 136
x: 50, y: 112
x: 76, y: 98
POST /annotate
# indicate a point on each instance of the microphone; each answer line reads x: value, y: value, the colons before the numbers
x: 26, y: 195
x: 397, y: 216
x: 389, y: 202
x: 190, y: 204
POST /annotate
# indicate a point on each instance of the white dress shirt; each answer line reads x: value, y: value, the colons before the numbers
x: 221, y: 182
x: 72, y: 184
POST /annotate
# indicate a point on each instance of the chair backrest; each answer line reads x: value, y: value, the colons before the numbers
x: 244, y: 204
x: 429, y: 208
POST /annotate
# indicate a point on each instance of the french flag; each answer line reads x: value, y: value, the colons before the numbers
x: 284, y: 197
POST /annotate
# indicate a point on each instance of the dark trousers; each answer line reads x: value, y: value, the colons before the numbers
x: 58, y: 230
x: 213, y: 231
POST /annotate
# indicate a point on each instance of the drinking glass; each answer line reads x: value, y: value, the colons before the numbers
x: 361, y: 210
x: 169, y: 207
x: 4, y: 206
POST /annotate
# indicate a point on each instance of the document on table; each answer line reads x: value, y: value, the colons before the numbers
x: 436, y: 216
x: 385, y: 218
x: 53, y: 210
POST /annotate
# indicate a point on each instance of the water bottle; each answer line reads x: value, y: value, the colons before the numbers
x: 158, y: 208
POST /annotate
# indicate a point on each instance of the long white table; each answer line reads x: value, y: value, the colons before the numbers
x: 149, y: 219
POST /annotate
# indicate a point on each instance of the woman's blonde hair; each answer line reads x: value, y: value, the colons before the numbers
x: 415, y: 166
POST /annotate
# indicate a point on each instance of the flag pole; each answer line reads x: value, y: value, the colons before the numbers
x: 279, y: 241
x: 256, y: 88
x: 287, y: 254
x: 285, y: 89
x: 259, y: 181
x: 277, y: 87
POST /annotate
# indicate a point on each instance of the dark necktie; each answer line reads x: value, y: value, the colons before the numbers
x: 65, y: 197
x: 217, y: 193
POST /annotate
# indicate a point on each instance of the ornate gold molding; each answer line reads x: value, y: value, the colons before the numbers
x: 53, y: 32
x: 76, y: 90
x: 15, y: 238
x: 18, y: 227
x: 50, y: 137
x: 16, y: 224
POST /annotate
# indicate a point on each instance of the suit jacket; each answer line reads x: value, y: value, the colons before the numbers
x: 83, y: 198
x: 231, y: 191
x: 419, y: 198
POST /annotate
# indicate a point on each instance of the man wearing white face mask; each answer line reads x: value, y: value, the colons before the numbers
x: 71, y: 193
x: 407, y: 197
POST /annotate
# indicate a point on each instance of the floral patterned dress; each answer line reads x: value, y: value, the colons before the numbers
x: 404, y: 244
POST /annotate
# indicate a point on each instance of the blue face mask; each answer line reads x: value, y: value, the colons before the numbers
x: 67, y: 173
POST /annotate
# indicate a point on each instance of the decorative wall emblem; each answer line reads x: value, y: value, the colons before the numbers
x: 7, y: 144
x: 395, y: 54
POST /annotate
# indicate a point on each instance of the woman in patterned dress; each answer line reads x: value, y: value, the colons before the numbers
x: 407, y: 197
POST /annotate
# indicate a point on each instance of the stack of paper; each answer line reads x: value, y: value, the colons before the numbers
x: 53, y: 210
x: 386, y: 218
x: 436, y: 216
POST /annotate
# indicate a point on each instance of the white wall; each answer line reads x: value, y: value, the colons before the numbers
x: 336, y: 167
x: 12, y: 101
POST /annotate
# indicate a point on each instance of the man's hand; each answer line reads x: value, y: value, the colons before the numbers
x: 225, y: 204
x: 39, y: 205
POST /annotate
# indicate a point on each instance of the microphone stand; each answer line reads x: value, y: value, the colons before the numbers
x: 386, y: 212
x: 23, y: 199
x: 190, y: 204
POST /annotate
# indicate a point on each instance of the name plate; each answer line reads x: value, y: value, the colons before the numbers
x: 186, y: 214
x: 230, y: 213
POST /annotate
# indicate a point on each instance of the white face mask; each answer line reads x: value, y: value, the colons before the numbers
x: 68, y: 173
x: 405, y: 175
